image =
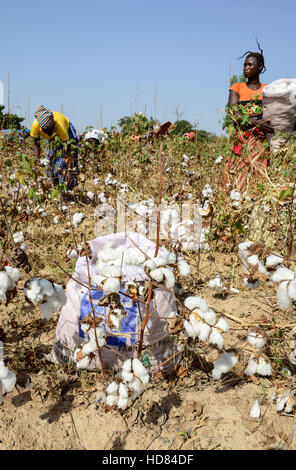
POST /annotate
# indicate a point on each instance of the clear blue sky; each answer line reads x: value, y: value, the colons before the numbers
x: 85, y: 54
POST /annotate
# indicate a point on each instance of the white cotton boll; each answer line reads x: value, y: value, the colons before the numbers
x: 216, y: 338
x: 7, y: 377
x: 289, y: 405
x: 262, y: 269
x: 157, y: 275
x: 195, y: 323
x: 283, y: 299
x: 90, y: 195
x: 111, y: 400
x: 47, y: 309
x: 84, y: 363
x: 207, y: 191
x: 222, y: 324
x: 256, y: 339
x: 122, y: 403
x: 123, y: 391
x: 251, y: 368
x: 204, y: 332
x: 196, y: 302
x: 253, y: 260
x: 282, y: 274
x: 56, y: 219
x: 108, y: 270
x: 223, y: 365
x: 183, y: 267
x: 4, y: 283
x: 98, y: 280
x: 18, y: 237
x: 251, y: 283
x: 138, y: 368
x: 77, y: 219
x: 135, y: 385
x: 170, y: 257
x: 189, y: 329
x: 111, y: 285
x: 169, y: 277
x: 89, y: 347
x: 145, y: 379
x: 47, y: 287
x: 150, y: 265
x: 116, y: 321
x: 255, y: 411
x: 263, y: 368
x: 127, y: 365
x: 235, y: 195
x: 112, y: 388
x: 60, y: 294
x: 13, y: 273
x: 292, y: 290
x: 273, y: 260
x: 160, y: 261
x: 281, y: 402
x: 209, y: 316
x: 127, y: 376
x: 72, y: 254
x: 219, y: 159
x: 84, y: 327
x: 34, y: 291
x: 215, y: 283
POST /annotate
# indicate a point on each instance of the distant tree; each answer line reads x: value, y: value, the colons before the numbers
x: 10, y: 121
x: 136, y: 124
x: 235, y: 79
x: 182, y: 127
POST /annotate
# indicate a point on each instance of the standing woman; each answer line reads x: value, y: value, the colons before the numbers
x: 250, y: 157
x: 63, y: 160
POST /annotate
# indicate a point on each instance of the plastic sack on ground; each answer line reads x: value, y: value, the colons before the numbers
x: 279, y: 107
x: 69, y: 336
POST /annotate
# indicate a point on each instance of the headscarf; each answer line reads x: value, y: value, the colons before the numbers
x: 44, y: 117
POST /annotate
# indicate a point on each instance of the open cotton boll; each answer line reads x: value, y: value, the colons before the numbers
x: 33, y: 291
x: 160, y: 261
x: 127, y: 376
x: 282, y: 274
x: 90, y: 195
x: 169, y: 277
x: 13, y: 273
x: 112, y: 388
x: 251, y: 368
x: 193, y: 302
x: 138, y: 368
x: 83, y: 363
x: 243, y: 249
x: 150, y: 265
x: 255, y: 411
x: 89, y: 347
x: 108, y: 270
x: 204, y: 332
x: 183, y: 267
x: 189, y: 329
x: 222, y: 324
x: 292, y: 290
x: 283, y: 299
x: 77, y: 219
x: 273, y: 260
x: 127, y: 365
x: 216, y: 338
x: 209, y: 316
x: 223, y: 365
x: 111, y: 400
x: 122, y: 403
x: 215, y: 283
x: 111, y: 285
x: 7, y: 378
x: 47, y: 287
x: 18, y: 237
x: 72, y: 254
x: 135, y: 385
x: 263, y: 367
x: 157, y: 275
x: 256, y: 338
x: 253, y: 260
x: 123, y: 391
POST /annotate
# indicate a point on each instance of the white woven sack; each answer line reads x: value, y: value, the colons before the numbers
x: 69, y: 335
x: 279, y: 107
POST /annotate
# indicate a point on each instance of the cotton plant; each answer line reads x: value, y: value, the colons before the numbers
x: 48, y: 295
x: 9, y: 278
x: 133, y: 376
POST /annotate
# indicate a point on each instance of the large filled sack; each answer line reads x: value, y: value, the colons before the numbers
x: 279, y: 107
x: 69, y: 335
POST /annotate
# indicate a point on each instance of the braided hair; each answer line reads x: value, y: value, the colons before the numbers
x: 258, y: 56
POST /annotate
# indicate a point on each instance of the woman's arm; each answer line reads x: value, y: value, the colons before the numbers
x: 233, y: 98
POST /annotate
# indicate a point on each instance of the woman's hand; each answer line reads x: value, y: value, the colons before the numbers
x: 263, y: 125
